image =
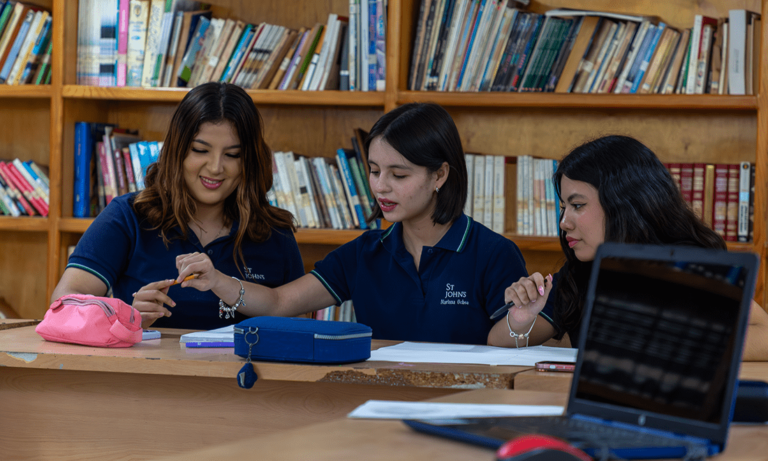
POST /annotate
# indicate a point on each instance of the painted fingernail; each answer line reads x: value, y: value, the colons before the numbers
x: 133, y: 295
x: 541, y: 291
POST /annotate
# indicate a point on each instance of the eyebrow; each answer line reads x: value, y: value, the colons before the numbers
x: 209, y: 145
x: 400, y: 166
x: 576, y: 195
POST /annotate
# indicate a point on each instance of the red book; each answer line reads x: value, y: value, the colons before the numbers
x: 721, y: 192
x: 732, y: 213
x: 697, y: 202
x: 686, y: 182
x: 11, y: 183
x: 25, y: 188
x: 29, y: 191
x: 674, y: 170
x: 108, y: 178
x: 129, y: 169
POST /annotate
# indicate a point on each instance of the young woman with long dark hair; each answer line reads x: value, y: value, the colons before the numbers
x: 204, y: 204
x: 612, y: 189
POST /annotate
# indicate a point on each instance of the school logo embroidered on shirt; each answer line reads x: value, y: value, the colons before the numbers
x: 454, y: 296
x: 251, y: 276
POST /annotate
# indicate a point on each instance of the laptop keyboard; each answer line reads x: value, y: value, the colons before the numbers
x: 587, y: 434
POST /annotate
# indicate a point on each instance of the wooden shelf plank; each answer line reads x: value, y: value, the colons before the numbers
x: 25, y: 91
x: 28, y: 224
x: 74, y: 225
x: 581, y: 101
x: 293, y: 97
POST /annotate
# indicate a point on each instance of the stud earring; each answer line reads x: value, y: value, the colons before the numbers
x: 437, y: 190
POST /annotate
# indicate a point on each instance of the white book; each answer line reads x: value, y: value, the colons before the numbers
x: 331, y: 30
x: 274, y: 38
x: 209, y: 42
x: 300, y: 198
x: 303, y: 193
x: 491, y: 39
x: 745, y: 177
x: 723, y: 60
x: 154, y: 30
x: 702, y: 64
x: 305, y: 171
x: 166, y: 28
x: 352, y: 49
x: 693, y: 57
x: 26, y: 46
x: 321, y: 171
x: 499, y: 199
x: 478, y: 204
x: 519, y: 198
x: 137, y: 39
x: 260, y: 41
x: 488, y: 197
x: 223, y: 334
x: 353, y: 201
x: 276, y: 191
x: 633, y: 51
x: 363, y: 45
x: 737, y: 43
x: 542, y: 185
x: 618, y: 38
x: 529, y: 190
x: 341, y: 197
x: 478, y: 47
x: 285, y: 185
x: 215, y: 52
x: 469, y: 159
x: 601, y: 57
x: 534, y: 198
x: 552, y: 205
x: 459, y: 11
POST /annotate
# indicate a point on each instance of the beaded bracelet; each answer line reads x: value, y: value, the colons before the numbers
x: 512, y: 334
x: 225, y: 308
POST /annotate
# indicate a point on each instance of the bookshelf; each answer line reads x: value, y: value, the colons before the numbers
x: 38, y: 124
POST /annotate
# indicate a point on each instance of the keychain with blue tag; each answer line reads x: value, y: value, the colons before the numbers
x: 247, y: 376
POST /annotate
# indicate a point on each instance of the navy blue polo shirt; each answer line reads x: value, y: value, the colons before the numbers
x: 459, y: 284
x: 122, y: 252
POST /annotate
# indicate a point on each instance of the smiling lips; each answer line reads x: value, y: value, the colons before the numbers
x: 210, y: 183
x: 386, y: 206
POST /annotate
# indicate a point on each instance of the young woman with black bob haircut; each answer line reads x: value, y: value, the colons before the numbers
x: 612, y: 189
x: 433, y: 275
x: 204, y: 206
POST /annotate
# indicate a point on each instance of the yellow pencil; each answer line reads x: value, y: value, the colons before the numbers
x: 189, y: 277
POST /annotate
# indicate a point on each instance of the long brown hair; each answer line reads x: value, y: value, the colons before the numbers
x: 166, y: 202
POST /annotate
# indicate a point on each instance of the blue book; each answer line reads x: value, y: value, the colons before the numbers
x: 475, y: 26
x: 82, y: 186
x: 28, y: 168
x: 202, y: 344
x: 39, y: 173
x: 189, y: 61
x: 647, y: 57
x: 145, y: 158
x: 349, y: 184
x: 372, y: 63
x: 11, y: 58
x: 238, y: 54
x: 138, y: 172
x: 638, y: 59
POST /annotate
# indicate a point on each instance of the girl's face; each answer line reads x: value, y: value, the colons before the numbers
x: 213, y: 167
x: 405, y: 191
x: 583, y: 219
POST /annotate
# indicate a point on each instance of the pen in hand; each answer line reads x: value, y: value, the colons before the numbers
x: 187, y: 278
x: 503, y: 309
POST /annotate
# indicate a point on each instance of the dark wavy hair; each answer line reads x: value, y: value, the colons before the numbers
x: 166, y: 202
x: 641, y: 202
x: 424, y: 133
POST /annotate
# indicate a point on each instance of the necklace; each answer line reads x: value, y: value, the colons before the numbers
x: 203, y: 231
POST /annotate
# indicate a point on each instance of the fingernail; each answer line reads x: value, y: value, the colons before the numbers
x: 173, y: 304
x: 133, y: 295
x: 541, y: 291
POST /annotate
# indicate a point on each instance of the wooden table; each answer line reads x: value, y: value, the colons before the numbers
x: 533, y: 380
x: 347, y: 439
x: 63, y: 401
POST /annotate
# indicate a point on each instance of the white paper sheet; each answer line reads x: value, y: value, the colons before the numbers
x: 226, y: 333
x: 460, y: 353
x: 386, y: 409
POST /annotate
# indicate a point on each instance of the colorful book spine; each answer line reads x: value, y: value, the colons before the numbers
x: 122, y: 42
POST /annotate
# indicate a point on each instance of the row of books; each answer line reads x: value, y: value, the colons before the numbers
x: 24, y: 189
x: 722, y: 195
x: 321, y: 192
x: 537, y: 212
x: 175, y: 43
x: 490, y: 45
x: 343, y: 313
x: 25, y: 44
x: 109, y: 162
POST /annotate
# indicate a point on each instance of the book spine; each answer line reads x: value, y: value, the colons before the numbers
x: 499, y: 200
x: 122, y: 42
x: 83, y: 151
x: 720, y: 199
x: 686, y: 182
x: 129, y: 169
x: 742, y: 232
x: 349, y: 186
x: 733, y: 198
x: 697, y: 202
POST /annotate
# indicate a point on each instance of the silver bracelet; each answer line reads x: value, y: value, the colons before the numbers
x: 225, y: 308
x: 512, y: 334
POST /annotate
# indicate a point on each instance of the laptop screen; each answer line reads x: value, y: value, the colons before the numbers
x: 661, y: 336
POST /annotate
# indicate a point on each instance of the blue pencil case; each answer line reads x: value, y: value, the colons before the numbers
x: 291, y: 339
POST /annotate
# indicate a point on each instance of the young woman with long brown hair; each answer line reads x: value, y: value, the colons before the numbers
x: 204, y: 204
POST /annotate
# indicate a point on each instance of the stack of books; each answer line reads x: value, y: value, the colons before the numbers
x: 24, y: 189
x: 490, y: 45
x: 321, y: 192
x: 109, y: 161
x: 25, y: 44
x: 177, y: 43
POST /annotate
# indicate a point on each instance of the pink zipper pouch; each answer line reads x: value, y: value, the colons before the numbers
x: 91, y: 321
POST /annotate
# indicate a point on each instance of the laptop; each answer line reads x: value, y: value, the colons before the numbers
x: 659, y: 353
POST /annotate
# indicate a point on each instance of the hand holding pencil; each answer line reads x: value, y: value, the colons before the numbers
x: 525, y: 299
